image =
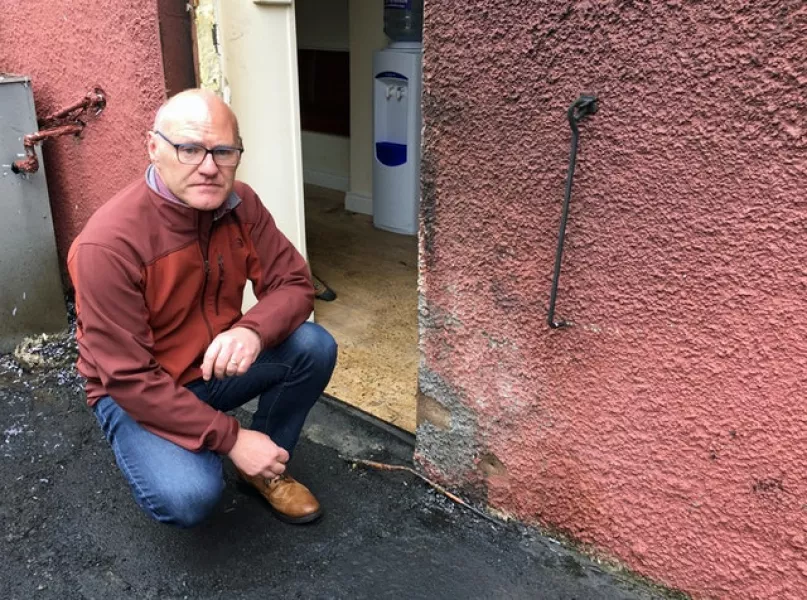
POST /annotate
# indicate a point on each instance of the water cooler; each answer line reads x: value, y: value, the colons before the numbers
x: 397, y: 120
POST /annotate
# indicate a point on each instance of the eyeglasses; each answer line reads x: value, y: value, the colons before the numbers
x: 195, y: 154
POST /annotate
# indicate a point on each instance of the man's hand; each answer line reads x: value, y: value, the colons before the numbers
x: 231, y: 353
x: 255, y: 454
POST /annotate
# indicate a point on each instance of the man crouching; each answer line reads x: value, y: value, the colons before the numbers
x: 159, y: 273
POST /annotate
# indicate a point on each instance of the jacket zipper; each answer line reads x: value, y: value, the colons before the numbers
x: 221, y: 281
x: 205, y: 251
x: 202, y: 299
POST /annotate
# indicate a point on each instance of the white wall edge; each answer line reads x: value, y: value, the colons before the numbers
x: 359, y: 203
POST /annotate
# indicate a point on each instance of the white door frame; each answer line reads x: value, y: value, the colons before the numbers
x: 258, y: 45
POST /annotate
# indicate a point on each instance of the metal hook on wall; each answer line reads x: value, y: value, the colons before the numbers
x: 582, y: 107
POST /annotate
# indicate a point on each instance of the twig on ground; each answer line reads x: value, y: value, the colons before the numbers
x: 387, y: 467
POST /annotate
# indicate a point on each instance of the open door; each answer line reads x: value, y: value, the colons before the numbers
x: 372, y: 271
x: 259, y: 67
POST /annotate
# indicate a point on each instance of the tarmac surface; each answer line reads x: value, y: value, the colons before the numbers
x: 69, y: 528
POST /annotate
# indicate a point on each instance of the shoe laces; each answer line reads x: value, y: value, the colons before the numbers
x: 276, y: 479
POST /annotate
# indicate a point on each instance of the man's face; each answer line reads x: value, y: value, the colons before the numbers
x: 207, y: 185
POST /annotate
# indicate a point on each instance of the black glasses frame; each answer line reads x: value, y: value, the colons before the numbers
x: 210, y: 151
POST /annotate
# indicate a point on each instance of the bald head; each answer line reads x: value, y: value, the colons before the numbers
x: 195, y: 106
x: 201, y: 120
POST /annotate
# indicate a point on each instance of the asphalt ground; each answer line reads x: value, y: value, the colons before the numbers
x: 70, y: 528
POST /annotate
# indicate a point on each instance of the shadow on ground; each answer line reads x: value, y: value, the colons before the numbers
x: 71, y: 530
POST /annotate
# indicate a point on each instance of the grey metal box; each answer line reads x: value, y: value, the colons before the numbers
x: 31, y: 295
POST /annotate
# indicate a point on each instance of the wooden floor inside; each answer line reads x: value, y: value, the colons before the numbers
x: 374, y: 317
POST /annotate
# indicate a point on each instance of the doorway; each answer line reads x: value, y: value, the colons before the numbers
x: 373, y: 273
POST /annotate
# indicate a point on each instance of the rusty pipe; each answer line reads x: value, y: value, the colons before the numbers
x: 95, y: 98
x: 30, y: 164
x: 54, y: 125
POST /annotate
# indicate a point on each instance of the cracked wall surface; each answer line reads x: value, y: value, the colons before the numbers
x: 666, y: 427
x: 208, y: 48
x: 67, y: 48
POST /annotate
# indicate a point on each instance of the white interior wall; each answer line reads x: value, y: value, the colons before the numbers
x: 332, y: 161
x: 366, y: 21
x: 323, y: 25
x: 326, y: 160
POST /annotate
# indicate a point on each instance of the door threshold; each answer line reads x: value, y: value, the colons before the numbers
x: 401, y: 435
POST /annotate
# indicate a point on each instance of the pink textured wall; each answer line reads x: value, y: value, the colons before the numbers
x: 68, y: 47
x: 667, y: 428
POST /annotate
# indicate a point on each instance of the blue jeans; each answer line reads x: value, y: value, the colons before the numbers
x: 176, y: 486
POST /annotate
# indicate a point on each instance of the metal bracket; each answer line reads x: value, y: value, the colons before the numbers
x: 584, y: 106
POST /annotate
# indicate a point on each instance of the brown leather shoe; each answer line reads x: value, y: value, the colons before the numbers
x: 289, y: 499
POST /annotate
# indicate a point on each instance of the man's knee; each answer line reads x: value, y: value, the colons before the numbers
x: 313, y: 342
x: 185, y: 502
